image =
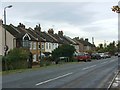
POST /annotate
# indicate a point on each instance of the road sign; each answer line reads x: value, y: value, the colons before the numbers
x: 6, y: 48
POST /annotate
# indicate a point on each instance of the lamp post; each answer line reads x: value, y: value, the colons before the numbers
x: 117, y: 10
x: 6, y: 47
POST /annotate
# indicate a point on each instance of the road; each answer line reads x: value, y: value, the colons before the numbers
x: 94, y: 74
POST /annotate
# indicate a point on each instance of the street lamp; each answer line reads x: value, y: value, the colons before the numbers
x: 6, y: 47
x: 116, y: 9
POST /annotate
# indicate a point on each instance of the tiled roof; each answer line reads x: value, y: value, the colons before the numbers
x: 46, y: 37
x: 60, y: 39
x: 70, y: 40
x: 77, y: 41
x: 12, y: 31
x: 18, y: 32
x: 65, y: 41
x: 35, y: 35
x: 24, y: 31
x: 86, y: 43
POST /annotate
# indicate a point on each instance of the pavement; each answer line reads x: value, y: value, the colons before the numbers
x: 116, y: 83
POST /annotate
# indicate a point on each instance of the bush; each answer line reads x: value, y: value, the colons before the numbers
x: 46, y: 61
x: 15, y: 59
x: 63, y: 51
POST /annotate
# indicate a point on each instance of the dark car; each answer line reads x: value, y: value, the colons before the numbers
x: 95, y: 56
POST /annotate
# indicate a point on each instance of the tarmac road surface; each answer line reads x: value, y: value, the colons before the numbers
x: 94, y: 74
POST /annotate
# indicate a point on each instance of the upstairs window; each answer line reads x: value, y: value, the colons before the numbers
x: 34, y: 45
x: 26, y: 43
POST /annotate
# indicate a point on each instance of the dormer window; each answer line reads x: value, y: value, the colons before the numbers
x: 26, y: 40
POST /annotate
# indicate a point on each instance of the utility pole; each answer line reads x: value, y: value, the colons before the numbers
x: 93, y: 40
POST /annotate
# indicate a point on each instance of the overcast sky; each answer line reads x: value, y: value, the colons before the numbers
x: 76, y: 19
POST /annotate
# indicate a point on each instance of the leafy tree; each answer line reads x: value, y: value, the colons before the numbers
x: 111, y: 48
x: 100, y: 48
x: 63, y: 51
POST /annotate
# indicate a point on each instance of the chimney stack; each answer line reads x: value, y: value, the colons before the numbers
x: 51, y: 31
x: 21, y: 25
x: 86, y: 39
x: 93, y: 40
x: 60, y: 33
x: 77, y: 38
x: 38, y: 28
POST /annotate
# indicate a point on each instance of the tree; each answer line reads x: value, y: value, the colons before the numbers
x: 112, y: 48
x: 100, y: 48
x: 63, y: 51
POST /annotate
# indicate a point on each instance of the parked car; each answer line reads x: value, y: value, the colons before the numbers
x: 107, y: 56
x: 83, y: 57
x: 88, y: 56
x: 95, y: 56
x: 118, y: 54
x: 102, y: 55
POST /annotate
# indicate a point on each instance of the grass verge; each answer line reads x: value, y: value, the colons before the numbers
x: 37, y: 67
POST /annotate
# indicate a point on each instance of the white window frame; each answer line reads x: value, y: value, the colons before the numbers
x: 53, y: 46
x: 31, y: 46
x: 46, y: 45
x: 34, y: 45
x: 38, y: 45
x: 49, y: 45
x: 42, y: 45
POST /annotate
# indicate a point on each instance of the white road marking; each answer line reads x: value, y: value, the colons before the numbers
x: 89, y: 67
x: 53, y: 79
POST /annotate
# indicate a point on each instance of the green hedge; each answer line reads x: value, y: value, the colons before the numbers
x: 15, y: 59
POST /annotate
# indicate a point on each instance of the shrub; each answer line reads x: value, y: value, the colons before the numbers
x: 63, y: 51
x: 15, y: 59
x: 46, y: 61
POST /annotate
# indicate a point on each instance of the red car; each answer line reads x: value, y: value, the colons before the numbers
x: 83, y: 57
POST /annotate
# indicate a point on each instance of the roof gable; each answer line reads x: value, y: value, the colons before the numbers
x: 26, y: 35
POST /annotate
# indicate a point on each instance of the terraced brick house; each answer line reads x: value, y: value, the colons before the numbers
x: 38, y: 41
x: 84, y: 45
x: 58, y: 37
x: 10, y: 37
x: 81, y: 45
x: 62, y: 39
x: 73, y: 43
x: 50, y: 44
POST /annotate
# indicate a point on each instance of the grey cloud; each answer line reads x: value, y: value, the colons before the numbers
x: 78, y: 14
x: 57, y: 12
